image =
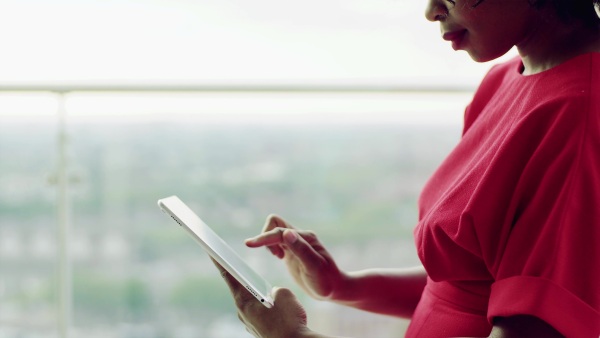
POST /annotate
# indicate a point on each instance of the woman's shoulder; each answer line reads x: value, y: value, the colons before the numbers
x: 496, y: 81
x: 569, y: 90
x: 578, y: 72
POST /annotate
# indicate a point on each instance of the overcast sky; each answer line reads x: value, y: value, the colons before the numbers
x: 226, y: 41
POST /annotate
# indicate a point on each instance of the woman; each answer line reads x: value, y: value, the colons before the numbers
x: 509, y: 225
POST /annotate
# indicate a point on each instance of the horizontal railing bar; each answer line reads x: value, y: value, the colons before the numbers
x: 235, y: 88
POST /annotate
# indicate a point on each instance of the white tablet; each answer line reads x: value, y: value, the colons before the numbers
x: 218, y: 249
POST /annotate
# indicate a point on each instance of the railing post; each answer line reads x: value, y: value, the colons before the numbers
x: 63, y: 233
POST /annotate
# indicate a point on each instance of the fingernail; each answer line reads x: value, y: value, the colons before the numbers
x: 290, y: 236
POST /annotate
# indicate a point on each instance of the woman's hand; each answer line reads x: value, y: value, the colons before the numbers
x: 286, y: 319
x: 393, y: 292
x: 308, y: 261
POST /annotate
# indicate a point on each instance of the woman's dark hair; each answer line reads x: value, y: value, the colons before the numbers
x: 587, y: 11
x: 569, y: 10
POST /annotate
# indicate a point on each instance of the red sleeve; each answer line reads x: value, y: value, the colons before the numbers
x: 548, y: 263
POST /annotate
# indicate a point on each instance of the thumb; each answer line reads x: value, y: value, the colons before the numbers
x: 282, y: 294
x: 308, y: 256
x: 286, y: 299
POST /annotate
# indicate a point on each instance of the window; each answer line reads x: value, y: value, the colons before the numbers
x: 348, y: 165
x: 330, y: 114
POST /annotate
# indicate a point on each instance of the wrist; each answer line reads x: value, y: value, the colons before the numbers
x: 342, y: 290
x: 388, y: 291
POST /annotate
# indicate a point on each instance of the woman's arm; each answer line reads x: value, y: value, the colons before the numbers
x: 394, y: 292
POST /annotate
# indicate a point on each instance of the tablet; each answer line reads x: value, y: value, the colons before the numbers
x: 216, y: 247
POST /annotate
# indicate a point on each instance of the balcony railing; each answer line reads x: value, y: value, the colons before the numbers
x: 62, y: 178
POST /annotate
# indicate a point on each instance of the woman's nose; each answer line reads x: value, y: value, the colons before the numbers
x: 436, y: 10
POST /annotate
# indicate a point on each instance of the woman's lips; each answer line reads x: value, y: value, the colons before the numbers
x: 456, y: 37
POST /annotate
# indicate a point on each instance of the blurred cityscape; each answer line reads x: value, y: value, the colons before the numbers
x: 136, y: 274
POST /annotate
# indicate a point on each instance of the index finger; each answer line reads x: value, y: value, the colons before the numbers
x: 269, y: 238
x: 274, y: 226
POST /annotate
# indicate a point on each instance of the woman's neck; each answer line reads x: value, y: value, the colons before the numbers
x: 552, y: 42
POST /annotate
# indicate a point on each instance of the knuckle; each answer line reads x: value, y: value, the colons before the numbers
x: 276, y: 221
x: 310, y: 236
x: 269, y: 222
x: 272, y: 221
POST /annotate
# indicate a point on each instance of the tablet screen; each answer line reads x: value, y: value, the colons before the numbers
x: 217, y: 248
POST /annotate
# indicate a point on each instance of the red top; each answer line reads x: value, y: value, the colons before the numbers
x: 510, y: 222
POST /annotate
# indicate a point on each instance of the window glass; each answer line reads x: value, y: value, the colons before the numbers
x: 28, y: 230
x: 347, y: 163
x: 353, y: 178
